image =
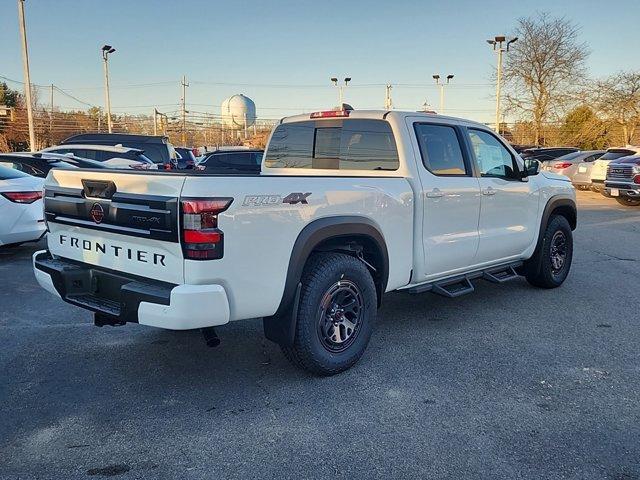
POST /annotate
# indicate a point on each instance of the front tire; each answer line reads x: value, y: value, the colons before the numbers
x: 628, y: 202
x: 550, y: 264
x: 336, y: 314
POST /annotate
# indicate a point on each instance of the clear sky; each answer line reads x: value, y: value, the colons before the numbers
x: 282, y: 53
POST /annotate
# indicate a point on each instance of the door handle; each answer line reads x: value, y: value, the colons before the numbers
x: 489, y: 191
x: 435, y: 193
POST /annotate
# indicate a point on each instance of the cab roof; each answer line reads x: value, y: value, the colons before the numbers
x: 382, y: 115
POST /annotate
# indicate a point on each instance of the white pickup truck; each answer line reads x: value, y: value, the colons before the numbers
x: 349, y: 205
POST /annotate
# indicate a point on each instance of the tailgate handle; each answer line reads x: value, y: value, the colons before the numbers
x: 98, y: 189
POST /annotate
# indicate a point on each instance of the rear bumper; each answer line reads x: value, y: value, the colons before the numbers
x: 31, y: 234
x: 125, y: 298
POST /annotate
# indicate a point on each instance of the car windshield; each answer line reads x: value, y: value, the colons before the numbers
x: 569, y: 156
x: 141, y: 157
x: 7, y: 173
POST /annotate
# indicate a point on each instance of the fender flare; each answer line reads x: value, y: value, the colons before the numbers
x: 552, y: 205
x: 280, y: 327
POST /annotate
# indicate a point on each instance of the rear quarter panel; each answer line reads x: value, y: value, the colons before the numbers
x: 260, y: 230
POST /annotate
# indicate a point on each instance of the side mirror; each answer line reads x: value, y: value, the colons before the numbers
x: 531, y: 168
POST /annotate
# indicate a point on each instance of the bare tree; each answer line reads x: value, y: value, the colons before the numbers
x: 544, y: 68
x: 617, y: 98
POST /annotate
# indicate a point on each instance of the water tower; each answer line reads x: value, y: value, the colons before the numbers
x: 238, y: 112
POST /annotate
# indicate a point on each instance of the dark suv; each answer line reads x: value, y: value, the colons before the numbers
x: 155, y: 147
x: 231, y: 161
x: 544, y: 154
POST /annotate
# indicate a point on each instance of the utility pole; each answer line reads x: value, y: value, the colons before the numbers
x: 184, y: 110
x: 442, y: 85
x: 497, y: 43
x: 106, y: 51
x: 388, y: 103
x: 51, y: 118
x: 27, y: 76
x: 155, y: 121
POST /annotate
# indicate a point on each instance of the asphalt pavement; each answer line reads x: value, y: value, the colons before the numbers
x: 508, y: 382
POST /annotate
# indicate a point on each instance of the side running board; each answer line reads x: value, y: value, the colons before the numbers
x: 500, y: 275
x: 452, y: 290
x: 461, y: 285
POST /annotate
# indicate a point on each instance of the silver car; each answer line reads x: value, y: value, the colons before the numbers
x: 575, y: 165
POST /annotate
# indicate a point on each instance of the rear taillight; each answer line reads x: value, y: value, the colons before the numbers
x: 22, y: 197
x: 201, y: 237
x: 636, y: 179
x: 560, y: 166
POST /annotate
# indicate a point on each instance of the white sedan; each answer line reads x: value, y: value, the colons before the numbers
x: 22, y: 215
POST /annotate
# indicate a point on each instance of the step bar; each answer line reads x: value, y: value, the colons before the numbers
x: 459, y: 285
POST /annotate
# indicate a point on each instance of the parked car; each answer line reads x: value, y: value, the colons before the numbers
x: 111, y: 156
x: 156, y: 147
x: 544, y: 154
x: 21, y: 206
x: 39, y: 164
x: 572, y: 164
x: 522, y: 148
x: 599, y: 169
x: 186, y: 159
x: 623, y: 181
x: 231, y: 161
x: 349, y: 205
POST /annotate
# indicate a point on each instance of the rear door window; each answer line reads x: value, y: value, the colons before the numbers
x: 440, y: 150
x: 334, y: 145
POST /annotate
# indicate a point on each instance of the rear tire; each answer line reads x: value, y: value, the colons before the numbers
x: 550, y: 264
x: 336, y: 314
x: 628, y: 202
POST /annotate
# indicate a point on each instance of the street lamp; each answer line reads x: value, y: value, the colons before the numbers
x: 500, y: 44
x: 334, y: 80
x: 106, y: 51
x: 442, y: 85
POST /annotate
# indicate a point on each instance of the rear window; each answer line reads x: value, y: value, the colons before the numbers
x: 9, y: 173
x: 234, y: 159
x: 613, y: 154
x: 333, y: 145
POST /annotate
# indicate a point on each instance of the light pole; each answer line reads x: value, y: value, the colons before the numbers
x: 340, y: 88
x: 442, y: 85
x: 183, y: 109
x: 497, y: 42
x: 27, y: 76
x: 106, y: 51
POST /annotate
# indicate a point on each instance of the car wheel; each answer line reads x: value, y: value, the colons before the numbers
x: 628, y: 202
x: 550, y: 264
x: 336, y: 314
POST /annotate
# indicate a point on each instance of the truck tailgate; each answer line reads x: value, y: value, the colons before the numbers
x: 127, y: 222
